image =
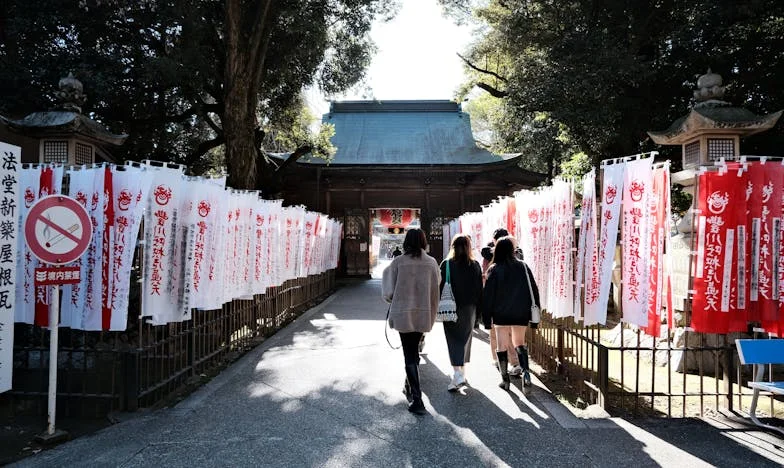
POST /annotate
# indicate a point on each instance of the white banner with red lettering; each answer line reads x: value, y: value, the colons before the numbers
x: 612, y: 188
x: 203, y: 245
x: 24, y: 312
x: 32, y: 304
x: 560, y: 301
x: 75, y: 310
x: 638, y: 186
x: 131, y: 189
x: 159, y: 287
x: 587, y: 272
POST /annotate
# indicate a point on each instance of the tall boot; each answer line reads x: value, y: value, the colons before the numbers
x: 407, y: 391
x: 412, y: 376
x: 522, y: 354
x: 503, y: 362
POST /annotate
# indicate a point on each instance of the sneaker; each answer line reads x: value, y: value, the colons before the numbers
x: 459, y: 379
x: 516, y: 371
x: 452, y: 387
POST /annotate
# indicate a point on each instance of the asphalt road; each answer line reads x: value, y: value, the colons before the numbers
x: 326, y: 391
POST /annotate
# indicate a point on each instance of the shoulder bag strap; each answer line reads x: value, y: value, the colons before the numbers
x: 528, y: 277
x: 447, y: 272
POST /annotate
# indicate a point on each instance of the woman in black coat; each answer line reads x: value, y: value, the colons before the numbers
x: 506, y: 305
x: 466, y: 282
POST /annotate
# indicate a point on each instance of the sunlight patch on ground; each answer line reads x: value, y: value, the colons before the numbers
x: 469, y: 439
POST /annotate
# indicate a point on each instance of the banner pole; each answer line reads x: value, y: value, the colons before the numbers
x: 52, y: 434
x: 54, y: 326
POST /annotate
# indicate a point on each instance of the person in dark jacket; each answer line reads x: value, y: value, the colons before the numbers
x: 466, y: 282
x: 506, y: 305
x: 487, y: 258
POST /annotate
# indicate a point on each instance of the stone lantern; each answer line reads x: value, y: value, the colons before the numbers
x: 711, y: 131
x: 63, y: 135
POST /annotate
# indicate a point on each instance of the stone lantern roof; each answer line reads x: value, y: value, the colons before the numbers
x: 710, y: 114
x: 66, y: 119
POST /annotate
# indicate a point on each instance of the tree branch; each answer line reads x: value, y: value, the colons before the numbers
x: 202, y: 149
x: 481, y: 70
x: 293, y: 157
x: 492, y: 91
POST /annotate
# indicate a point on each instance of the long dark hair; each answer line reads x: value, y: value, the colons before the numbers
x: 414, y: 242
x: 460, y: 251
x: 504, y: 251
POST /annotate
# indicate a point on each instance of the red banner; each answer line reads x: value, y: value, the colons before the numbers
x: 764, y: 214
x: 657, y: 231
x: 721, y: 214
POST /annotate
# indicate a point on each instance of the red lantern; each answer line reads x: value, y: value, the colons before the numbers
x: 395, y: 217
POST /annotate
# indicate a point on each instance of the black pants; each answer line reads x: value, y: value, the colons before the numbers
x: 410, y: 344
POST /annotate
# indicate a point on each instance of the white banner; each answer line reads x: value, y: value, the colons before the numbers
x: 612, y: 194
x: 131, y: 187
x: 9, y: 235
x: 24, y: 311
x: 587, y: 267
x: 638, y: 187
x: 561, y: 286
x: 159, y: 285
x: 73, y: 311
x: 51, y: 182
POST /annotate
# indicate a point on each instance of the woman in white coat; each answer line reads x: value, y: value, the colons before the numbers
x: 411, y: 285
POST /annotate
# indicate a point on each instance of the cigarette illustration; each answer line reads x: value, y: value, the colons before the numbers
x: 61, y: 236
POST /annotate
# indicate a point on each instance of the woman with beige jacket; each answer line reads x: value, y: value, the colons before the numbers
x: 411, y: 285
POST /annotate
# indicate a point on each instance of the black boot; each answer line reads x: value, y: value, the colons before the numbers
x: 503, y: 362
x: 407, y: 391
x: 412, y: 376
x: 522, y: 354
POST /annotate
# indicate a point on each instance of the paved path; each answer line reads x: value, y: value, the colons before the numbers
x: 325, y: 391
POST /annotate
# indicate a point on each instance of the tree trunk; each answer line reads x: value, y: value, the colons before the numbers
x: 245, y: 28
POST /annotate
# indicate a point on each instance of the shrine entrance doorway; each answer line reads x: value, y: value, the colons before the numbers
x: 388, y: 228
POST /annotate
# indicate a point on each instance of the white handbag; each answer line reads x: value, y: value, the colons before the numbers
x: 536, y: 312
x: 447, y: 308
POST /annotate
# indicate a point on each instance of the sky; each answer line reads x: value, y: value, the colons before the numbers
x: 416, y: 57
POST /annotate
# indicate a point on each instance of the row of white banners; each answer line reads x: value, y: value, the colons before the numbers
x: 203, y: 244
x: 574, y: 272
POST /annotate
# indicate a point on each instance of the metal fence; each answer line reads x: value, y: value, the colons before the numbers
x: 100, y: 372
x: 628, y: 373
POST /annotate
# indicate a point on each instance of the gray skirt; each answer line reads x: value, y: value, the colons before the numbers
x: 458, y: 335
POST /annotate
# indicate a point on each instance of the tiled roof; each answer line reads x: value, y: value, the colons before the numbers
x: 403, y: 133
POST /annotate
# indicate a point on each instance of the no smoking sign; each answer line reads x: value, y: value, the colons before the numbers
x: 57, y: 229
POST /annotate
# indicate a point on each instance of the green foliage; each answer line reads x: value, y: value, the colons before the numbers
x: 575, y: 168
x: 681, y: 200
x: 156, y: 69
x: 610, y: 71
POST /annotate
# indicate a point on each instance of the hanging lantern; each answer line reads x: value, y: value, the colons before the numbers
x: 395, y: 217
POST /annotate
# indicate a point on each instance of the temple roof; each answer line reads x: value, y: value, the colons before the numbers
x: 403, y: 133
x: 61, y: 121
